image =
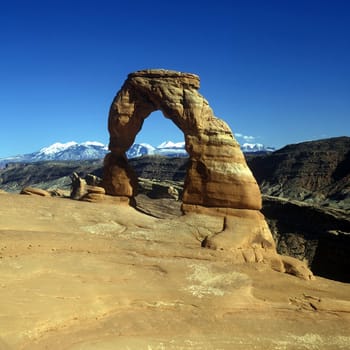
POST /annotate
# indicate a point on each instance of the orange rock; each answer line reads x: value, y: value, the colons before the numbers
x: 95, y: 189
x: 218, y: 174
x: 218, y: 180
x: 35, y: 191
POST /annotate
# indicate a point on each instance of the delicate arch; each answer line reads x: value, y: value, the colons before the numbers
x: 217, y: 176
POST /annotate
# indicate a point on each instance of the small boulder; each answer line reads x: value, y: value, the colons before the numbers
x: 78, y: 186
x: 93, y: 180
x: 35, y: 191
x: 95, y: 189
x: 94, y: 194
x: 173, y: 192
x: 297, y: 268
x: 93, y: 197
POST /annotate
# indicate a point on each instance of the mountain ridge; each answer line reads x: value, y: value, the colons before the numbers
x: 314, y: 171
x: 90, y: 150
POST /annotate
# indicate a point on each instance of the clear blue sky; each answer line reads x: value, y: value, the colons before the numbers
x: 277, y: 72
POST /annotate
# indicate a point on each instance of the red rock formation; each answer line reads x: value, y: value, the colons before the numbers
x: 218, y: 180
x: 217, y: 176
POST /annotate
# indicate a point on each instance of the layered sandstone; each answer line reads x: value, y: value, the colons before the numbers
x: 35, y: 191
x: 218, y: 181
x: 217, y: 174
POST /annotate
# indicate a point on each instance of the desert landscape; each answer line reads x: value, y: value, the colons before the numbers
x: 175, y: 175
x: 130, y: 262
x: 79, y: 275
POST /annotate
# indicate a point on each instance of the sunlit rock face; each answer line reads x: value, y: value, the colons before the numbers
x: 218, y: 175
x: 218, y: 181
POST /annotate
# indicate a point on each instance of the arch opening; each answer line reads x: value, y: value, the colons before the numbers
x: 157, y: 129
x: 159, y: 160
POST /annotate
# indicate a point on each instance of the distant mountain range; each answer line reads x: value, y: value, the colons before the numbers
x: 256, y: 148
x: 96, y: 150
x: 61, y: 151
x: 166, y: 148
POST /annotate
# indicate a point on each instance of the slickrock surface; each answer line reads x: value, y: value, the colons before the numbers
x: 78, y: 275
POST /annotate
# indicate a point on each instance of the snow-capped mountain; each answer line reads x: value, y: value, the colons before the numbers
x: 96, y: 150
x: 62, y: 151
x: 71, y: 151
x: 170, y: 144
x: 166, y: 148
x: 140, y: 149
x: 256, y: 148
x: 172, y: 149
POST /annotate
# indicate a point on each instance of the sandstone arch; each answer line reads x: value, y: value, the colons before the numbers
x: 217, y: 176
x: 218, y: 182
